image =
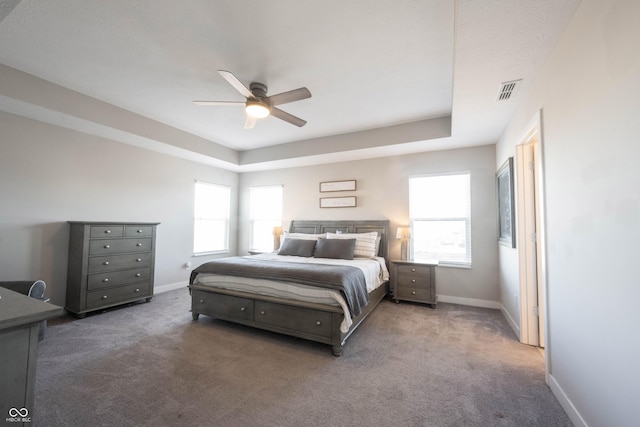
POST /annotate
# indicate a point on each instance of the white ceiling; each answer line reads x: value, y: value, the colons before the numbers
x: 391, y: 75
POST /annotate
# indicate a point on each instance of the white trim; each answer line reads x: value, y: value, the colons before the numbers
x: 566, y: 404
x: 170, y: 287
x: 469, y: 301
x: 510, y: 321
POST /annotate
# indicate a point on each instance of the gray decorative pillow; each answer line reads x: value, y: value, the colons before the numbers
x: 335, y: 248
x: 297, y: 247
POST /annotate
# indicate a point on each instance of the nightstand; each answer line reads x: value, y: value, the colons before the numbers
x: 414, y: 281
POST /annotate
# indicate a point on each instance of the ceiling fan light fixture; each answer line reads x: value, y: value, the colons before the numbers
x: 257, y: 109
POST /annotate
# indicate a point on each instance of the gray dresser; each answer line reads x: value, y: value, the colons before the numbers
x: 110, y: 263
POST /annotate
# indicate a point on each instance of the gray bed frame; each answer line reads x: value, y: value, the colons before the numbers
x: 311, y: 321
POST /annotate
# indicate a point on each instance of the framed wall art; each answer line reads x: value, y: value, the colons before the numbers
x: 338, y: 202
x: 338, y: 186
x: 506, y: 211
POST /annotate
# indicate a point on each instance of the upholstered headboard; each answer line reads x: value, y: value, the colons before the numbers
x: 320, y: 226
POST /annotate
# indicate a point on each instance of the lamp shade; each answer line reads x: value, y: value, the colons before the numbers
x: 403, y: 233
x: 277, y: 231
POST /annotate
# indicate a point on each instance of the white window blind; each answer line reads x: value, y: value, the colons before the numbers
x: 211, y: 218
x: 440, y: 214
x: 265, y: 213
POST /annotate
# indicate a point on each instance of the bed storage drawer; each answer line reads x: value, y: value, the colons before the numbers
x: 313, y: 322
x: 221, y: 306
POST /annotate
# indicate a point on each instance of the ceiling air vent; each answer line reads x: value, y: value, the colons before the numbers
x: 508, y: 89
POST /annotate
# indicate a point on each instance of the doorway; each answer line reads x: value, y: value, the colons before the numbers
x: 531, y: 237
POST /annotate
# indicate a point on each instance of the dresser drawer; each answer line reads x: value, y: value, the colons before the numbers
x: 113, y: 296
x: 103, y: 247
x: 117, y: 278
x: 106, y: 231
x: 413, y: 280
x: 222, y: 306
x: 288, y: 317
x: 138, y: 231
x: 418, y: 294
x: 101, y: 264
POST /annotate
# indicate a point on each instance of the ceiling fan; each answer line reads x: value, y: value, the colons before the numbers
x: 258, y: 105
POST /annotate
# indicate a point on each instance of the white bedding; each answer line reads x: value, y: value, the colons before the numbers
x: 374, y: 270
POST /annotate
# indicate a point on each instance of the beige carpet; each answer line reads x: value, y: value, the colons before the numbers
x: 149, y: 364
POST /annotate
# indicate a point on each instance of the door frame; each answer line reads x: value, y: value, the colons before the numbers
x: 533, y: 285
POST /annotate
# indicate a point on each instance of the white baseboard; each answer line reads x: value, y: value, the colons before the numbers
x: 510, y: 321
x: 469, y: 301
x: 566, y: 404
x: 170, y: 287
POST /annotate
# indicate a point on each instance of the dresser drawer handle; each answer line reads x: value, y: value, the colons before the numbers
x: 201, y: 301
x: 104, y: 297
x: 138, y: 259
x: 243, y: 308
x: 106, y: 263
x: 138, y: 244
x: 107, y: 231
x: 413, y: 292
x: 138, y: 231
x: 413, y: 280
x: 318, y: 323
x: 107, y: 246
x: 106, y: 279
x: 262, y: 312
x: 137, y: 274
x: 137, y: 290
x: 413, y: 270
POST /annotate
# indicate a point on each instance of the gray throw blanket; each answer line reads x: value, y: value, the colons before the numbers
x: 348, y: 280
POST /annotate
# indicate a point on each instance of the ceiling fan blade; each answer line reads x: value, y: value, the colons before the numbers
x: 290, y: 96
x: 276, y: 112
x: 237, y: 84
x: 250, y: 122
x: 232, y: 103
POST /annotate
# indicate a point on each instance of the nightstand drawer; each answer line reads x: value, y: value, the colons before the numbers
x: 409, y: 293
x: 413, y: 280
x: 422, y: 270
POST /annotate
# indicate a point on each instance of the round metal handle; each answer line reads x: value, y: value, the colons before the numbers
x: 106, y: 279
x: 106, y: 263
x: 413, y: 280
x: 107, y: 246
x: 242, y: 308
x: 139, y: 259
x: 137, y: 290
x: 413, y: 292
x: 138, y: 244
x: 138, y: 231
x: 201, y: 301
x: 104, y: 297
x: 413, y: 269
x: 137, y: 274
x: 262, y: 312
x: 318, y: 323
x: 107, y: 231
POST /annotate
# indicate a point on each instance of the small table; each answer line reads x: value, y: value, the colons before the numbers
x: 414, y: 281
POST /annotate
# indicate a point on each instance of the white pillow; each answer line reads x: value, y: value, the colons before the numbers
x: 365, y: 242
x: 303, y: 236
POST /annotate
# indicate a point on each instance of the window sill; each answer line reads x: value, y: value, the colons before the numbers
x: 226, y: 251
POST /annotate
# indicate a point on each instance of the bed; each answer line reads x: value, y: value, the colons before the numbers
x: 315, y: 298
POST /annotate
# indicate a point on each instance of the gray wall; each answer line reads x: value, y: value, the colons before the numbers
x: 382, y: 193
x: 589, y: 94
x: 50, y: 175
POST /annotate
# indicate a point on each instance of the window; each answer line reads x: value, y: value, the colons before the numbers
x: 265, y: 207
x: 211, y: 218
x: 440, y: 214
